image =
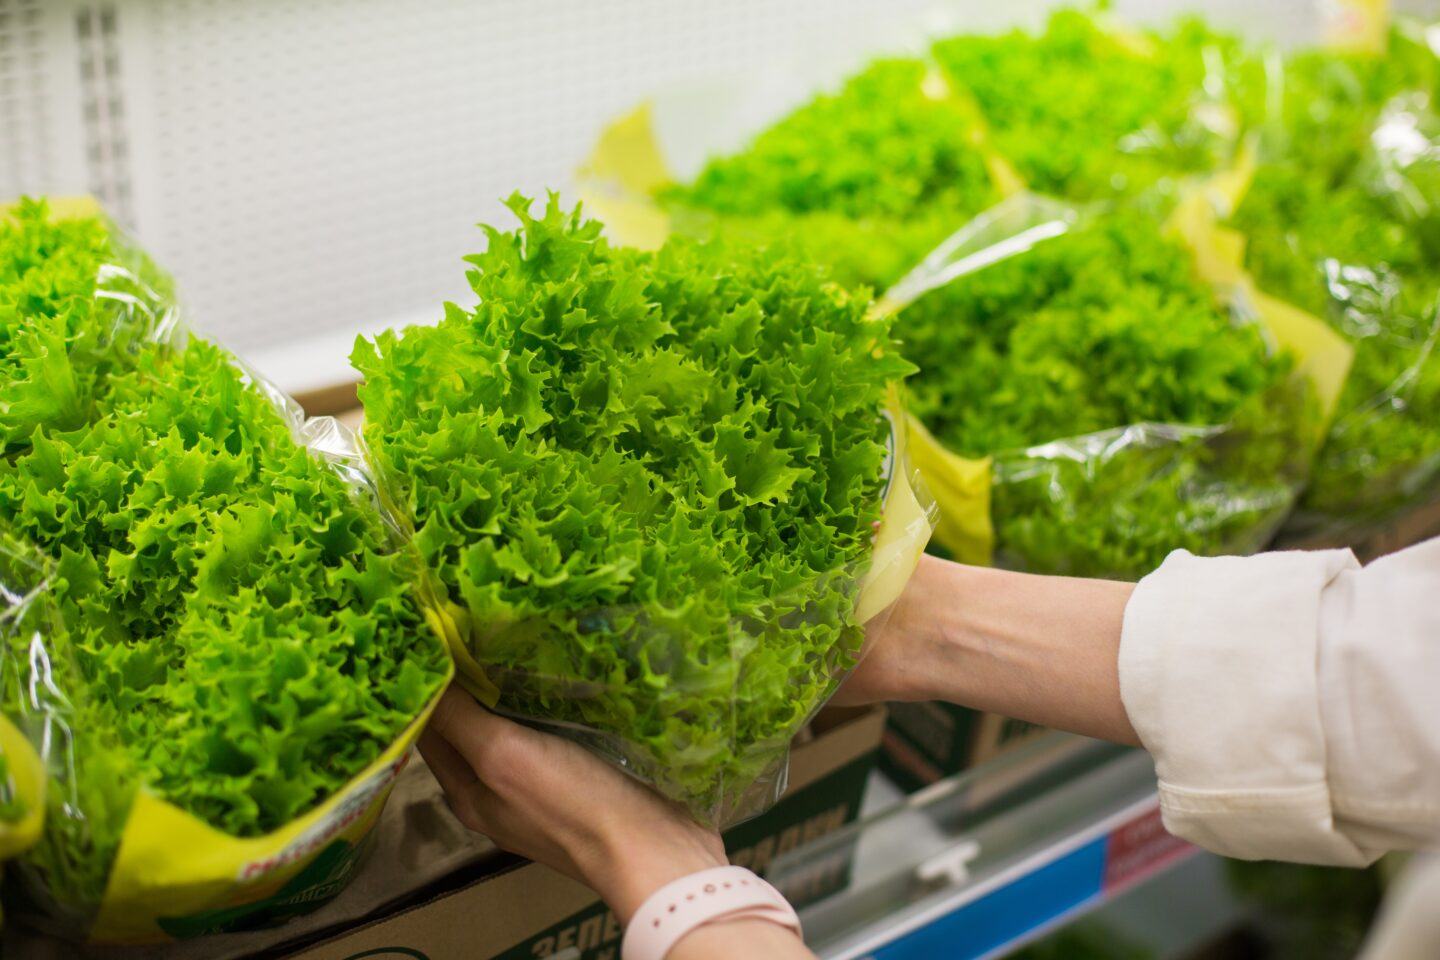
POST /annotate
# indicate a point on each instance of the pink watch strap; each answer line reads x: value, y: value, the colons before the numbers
x: 721, y: 893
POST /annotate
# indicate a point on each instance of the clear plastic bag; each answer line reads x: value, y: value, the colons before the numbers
x: 27, y: 618
x: 214, y: 644
x: 1341, y: 217
x: 1113, y: 502
x: 88, y: 786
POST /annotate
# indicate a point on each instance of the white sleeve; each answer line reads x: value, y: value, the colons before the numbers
x: 1291, y: 701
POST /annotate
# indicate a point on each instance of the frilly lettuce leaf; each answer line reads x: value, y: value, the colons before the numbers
x: 1089, y: 110
x: 76, y: 302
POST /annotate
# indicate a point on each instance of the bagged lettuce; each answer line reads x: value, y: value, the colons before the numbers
x: 1073, y: 463
x: 236, y: 656
x: 22, y: 777
x: 1116, y: 405
x: 1089, y: 109
x: 660, y: 492
x: 1341, y: 217
x: 870, y: 178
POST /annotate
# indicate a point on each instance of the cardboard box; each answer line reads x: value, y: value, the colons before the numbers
x: 431, y: 890
x: 417, y: 842
x: 1419, y: 524
x: 331, y: 401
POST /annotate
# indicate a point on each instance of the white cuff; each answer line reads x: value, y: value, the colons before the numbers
x: 1219, y: 676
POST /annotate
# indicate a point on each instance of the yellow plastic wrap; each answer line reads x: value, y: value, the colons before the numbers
x: 22, y: 792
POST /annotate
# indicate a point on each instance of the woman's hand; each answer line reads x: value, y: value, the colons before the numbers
x: 552, y: 801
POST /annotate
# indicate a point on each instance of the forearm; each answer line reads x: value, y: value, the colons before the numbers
x: 1042, y: 649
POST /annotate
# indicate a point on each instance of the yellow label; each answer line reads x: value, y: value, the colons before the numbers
x: 78, y: 207
x: 628, y: 221
x: 1323, y: 355
x: 469, y: 673
x: 1359, y: 25
x: 1227, y: 188
x: 1217, y: 252
x: 628, y: 154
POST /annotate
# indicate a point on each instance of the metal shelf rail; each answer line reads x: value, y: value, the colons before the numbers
x: 990, y: 859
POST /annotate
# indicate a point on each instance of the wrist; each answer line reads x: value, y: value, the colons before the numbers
x: 634, y: 867
x: 674, y: 921
x: 922, y: 627
x: 954, y: 648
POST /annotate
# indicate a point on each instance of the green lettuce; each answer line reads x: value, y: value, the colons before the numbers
x: 867, y: 179
x: 1086, y: 110
x: 647, y: 484
x: 1309, y: 912
x: 76, y: 302
x: 893, y: 140
x: 1101, y: 331
x: 237, y: 632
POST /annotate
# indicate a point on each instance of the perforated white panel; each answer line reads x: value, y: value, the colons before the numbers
x: 27, y: 147
x: 321, y: 164
x: 310, y: 168
x: 41, y: 110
